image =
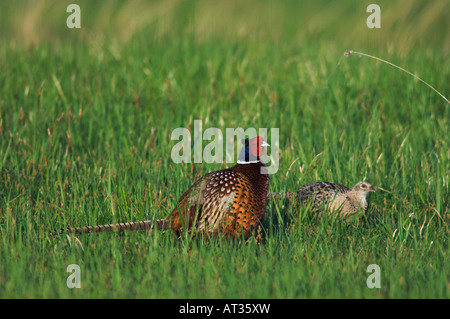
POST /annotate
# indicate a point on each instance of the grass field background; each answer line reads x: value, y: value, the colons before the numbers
x: 86, y: 117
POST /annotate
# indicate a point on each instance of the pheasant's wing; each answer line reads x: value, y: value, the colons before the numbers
x: 206, y: 204
x: 230, y: 203
x: 217, y: 197
x: 222, y: 200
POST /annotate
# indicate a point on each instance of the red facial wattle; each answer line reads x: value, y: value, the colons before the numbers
x: 257, y: 146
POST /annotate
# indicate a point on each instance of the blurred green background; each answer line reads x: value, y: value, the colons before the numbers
x: 407, y: 25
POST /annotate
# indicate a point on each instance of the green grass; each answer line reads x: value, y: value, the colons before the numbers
x: 85, y: 123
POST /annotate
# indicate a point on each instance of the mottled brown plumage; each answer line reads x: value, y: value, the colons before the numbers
x: 231, y: 201
x: 330, y: 196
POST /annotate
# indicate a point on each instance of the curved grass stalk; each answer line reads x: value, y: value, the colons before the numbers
x: 350, y: 52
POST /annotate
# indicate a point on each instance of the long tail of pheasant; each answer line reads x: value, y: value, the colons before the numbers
x: 133, y: 226
x: 282, y: 195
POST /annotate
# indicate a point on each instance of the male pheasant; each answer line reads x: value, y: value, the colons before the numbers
x: 331, y: 196
x: 231, y: 201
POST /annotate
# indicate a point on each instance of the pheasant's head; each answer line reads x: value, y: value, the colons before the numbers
x: 363, y: 187
x: 252, y: 150
x: 360, y: 191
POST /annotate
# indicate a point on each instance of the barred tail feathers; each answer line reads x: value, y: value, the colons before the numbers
x: 282, y: 195
x: 162, y: 223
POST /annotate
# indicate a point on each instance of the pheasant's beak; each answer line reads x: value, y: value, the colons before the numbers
x: 372, y: 189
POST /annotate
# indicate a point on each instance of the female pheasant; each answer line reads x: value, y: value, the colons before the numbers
x: 331, y: 196
x: 231, y: 201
